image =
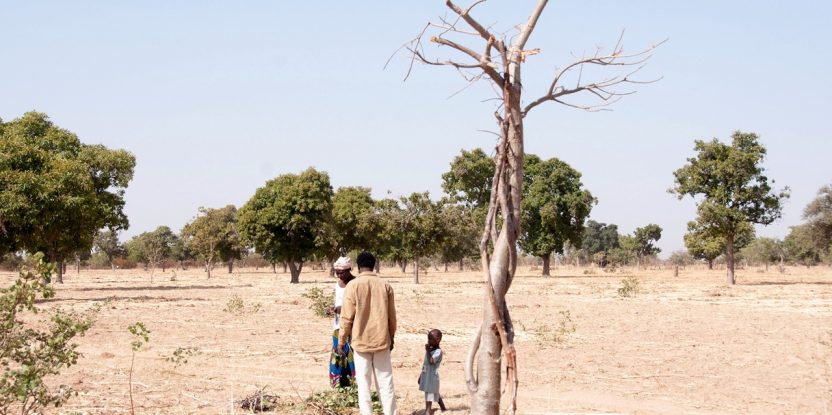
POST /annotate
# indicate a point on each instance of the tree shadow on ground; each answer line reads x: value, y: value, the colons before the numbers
x: 786, y: 283
x: 160, y: 288
x: 117, y: 298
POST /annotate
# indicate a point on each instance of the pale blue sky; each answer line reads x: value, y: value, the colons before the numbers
x: 215, y: 98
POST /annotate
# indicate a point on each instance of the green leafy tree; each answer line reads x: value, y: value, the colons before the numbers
x: 352, y: 218
x: 644, y: 240
x: 801, y: 246
x: 763, y: 251
x: 734, y: 187
x: 136, y: 251
x: 469, y: 179
x: 387, y: 216
x: 555, y: 207
x: 625, y: 254
x: 56, y: 192
x: 818, y: 216
x: 33, y: 352
x: 233, y: 248
x: 707, y: 243
x: 180, y: 253
x: 152, y: 248
x: 284, y: 220
x: 210, y: 234
x: 106, y: 242
x: 420, y: 229
x: 461, y: 233
x: 599, y: 238
x: 680, y: 258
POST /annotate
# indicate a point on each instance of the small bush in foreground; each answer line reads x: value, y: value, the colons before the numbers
x: 29, y: 354
x: 630, y: 286
x: 320, y: 301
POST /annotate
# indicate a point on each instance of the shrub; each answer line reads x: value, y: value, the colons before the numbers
x: 181, y: 355
x: 339, y: 400
x: 545, y: 335
x: 320, y: 302
x: 29, y: 354
x: 237, y: 306
x: 630, y: 286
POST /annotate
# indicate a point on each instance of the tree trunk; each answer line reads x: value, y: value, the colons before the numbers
x: 285, y: 265
x: 503, y: 263
x: 294, y: 269
x: 486, y: 399
x: 230, y: 266
x: 766, y: 266
x: 61, y: 269
x: 403, y: 266
x: 676, y: 271
x: 729, y: 258
x: 781, y: 267
x: 416, y: 272
x: 546, y: 266
x: 274, y: 268
x: 77, y: 264
x: 446, y: 267
x: 711, y: 264
x: 461, y: 265
x: 112, y: 266
x: 208, y: 269
x: 164, y: 266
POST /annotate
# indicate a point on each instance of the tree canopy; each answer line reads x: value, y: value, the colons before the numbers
x: 353, y: 219
x: 210, y: 234
x: 56, y: 192
x: 734, y: 186
x: 818, y: 216
x: 469, y: 179
x: 285, y: 219
x: 555, y: 207
x: 706, y: 243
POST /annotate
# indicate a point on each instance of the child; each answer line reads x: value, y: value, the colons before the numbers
x: 429, y: 379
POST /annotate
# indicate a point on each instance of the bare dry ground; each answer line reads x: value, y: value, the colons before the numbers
x: 682, y: 345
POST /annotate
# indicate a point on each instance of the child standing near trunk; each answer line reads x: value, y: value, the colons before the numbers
x: 429, y: 378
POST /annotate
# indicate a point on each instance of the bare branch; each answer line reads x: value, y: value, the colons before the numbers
x: 482, y: 62
x: 465, y: 15
x: 520, y: 43
x: 600, y: 89
x: 417, y: 40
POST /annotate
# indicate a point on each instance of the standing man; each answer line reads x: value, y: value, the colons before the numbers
x: 368, y: 314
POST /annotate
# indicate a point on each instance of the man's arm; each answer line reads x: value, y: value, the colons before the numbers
x: 391, y: 314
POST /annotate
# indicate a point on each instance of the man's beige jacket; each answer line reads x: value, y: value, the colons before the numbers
x: 368, y: 314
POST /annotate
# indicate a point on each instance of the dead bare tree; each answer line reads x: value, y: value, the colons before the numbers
x: 500, y: 63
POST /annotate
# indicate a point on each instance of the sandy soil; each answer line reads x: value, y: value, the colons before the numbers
x: 682, y: 345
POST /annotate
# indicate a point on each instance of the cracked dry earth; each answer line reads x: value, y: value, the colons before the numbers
x: 680, y: 345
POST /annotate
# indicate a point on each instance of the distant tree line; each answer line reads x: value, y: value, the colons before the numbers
x: 66, y: 199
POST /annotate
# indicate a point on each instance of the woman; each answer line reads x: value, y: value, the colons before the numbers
x: 341, y: 367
